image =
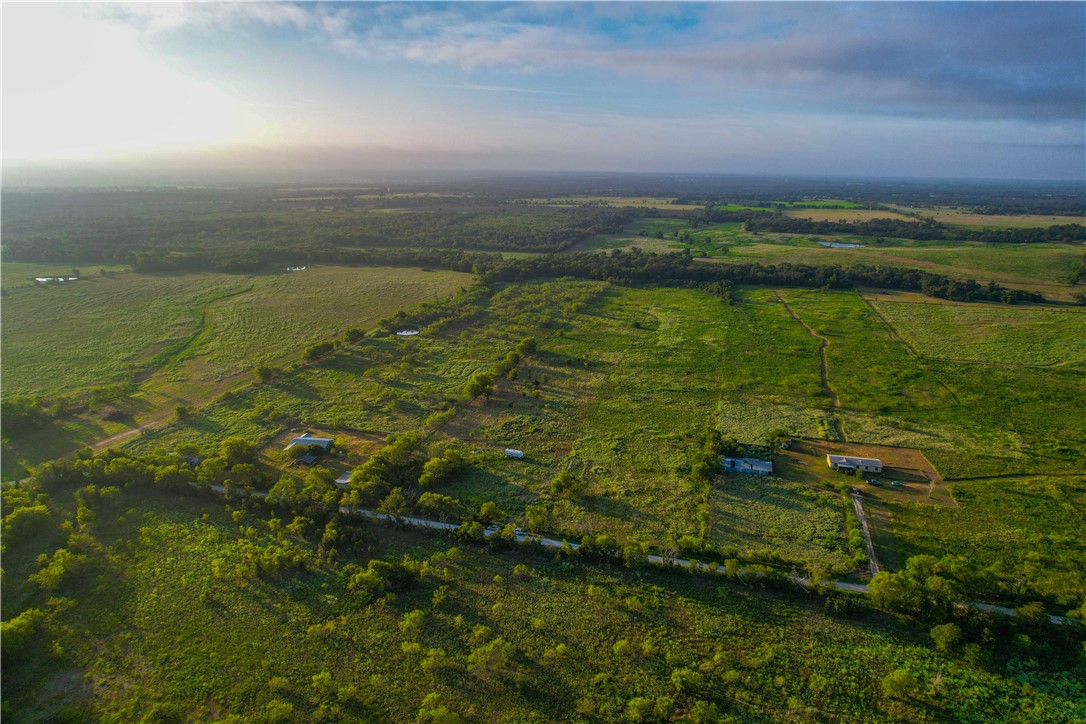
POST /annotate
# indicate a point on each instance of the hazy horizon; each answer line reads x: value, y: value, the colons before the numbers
x: 110, y: 94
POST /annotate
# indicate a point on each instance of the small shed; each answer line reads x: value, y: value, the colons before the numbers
x: 343, y: 480
x: 516, y: 454
x: 753, y: 466
x: 850, y: 463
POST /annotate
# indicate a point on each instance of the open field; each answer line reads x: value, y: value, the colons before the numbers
x: 170, y: 340
x: 958, y: 217
x: 1038, y: 267
x: 849, y: 215
x: 100, y: 330
x: 619, y: 399
x: 171, y: 618
x: 988, y: 332
x: 646, y: 202
x: 14, y: 275
x: 625, y: 384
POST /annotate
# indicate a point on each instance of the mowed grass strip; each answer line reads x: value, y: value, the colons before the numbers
x: 994, y: 334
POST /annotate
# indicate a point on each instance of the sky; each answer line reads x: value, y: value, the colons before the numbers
x: 281, y: 91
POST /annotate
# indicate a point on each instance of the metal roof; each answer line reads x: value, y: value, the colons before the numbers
x: 853, y: 460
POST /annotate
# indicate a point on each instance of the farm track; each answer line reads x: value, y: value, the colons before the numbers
x: 821, y: 351
x: 869, y: 542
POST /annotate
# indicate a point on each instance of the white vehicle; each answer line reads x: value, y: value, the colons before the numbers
x: 520, y: 531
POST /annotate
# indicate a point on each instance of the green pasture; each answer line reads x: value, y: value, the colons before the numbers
x: 101, y: 330
x: 14, y: 275
x: 623, y: 387
x: 989, y: 333
x: 168, y: 340
x: 167, y: 623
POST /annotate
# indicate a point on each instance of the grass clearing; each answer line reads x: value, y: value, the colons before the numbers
x: 182, y: 339
x: 958, y: 217
x: 989, y: 333
x: 646, y: 202
x: 849, y: 215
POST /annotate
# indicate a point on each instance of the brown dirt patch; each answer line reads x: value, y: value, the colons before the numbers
x: 923, y: 484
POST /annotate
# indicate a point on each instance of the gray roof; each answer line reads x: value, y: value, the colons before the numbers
x: 748, y: 464
x: 308, y: 439
x: 853, y: 460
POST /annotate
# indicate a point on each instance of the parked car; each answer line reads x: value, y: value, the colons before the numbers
x: 872, y: 481
x: 520, y: 531
x: 493, y: 528
x: 897, y: 484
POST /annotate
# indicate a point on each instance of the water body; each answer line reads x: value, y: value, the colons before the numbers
x: 839, y: 245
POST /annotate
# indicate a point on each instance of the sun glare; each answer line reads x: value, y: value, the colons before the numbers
x: 82, y: 88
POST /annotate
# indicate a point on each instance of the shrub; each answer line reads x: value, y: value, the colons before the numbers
x: 899, y: 684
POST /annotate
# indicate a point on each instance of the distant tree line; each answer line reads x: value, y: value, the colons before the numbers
x: 680, y: 269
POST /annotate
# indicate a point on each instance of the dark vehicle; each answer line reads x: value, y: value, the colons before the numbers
x: 872, y: 481
x: 897, y: 484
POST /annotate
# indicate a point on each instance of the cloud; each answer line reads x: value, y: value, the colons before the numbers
x: 942, y: 60
x: 505, y: 89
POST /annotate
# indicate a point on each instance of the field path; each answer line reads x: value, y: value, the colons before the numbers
x: 128, y: 433
x: 873, y: 561
x: 821, y: 350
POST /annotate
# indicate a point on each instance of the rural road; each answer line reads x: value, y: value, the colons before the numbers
x: 428, y: 524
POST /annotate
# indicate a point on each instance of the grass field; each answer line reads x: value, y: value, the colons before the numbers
x: 182, y: 339
x: 102, y: 329
x: 958, y: 217
x: 1036, y: 267
x: 625, y: 391
x: 647, y: 202
x: 14, y: 275
x: 989, y: 333
x: 849, y: 215
x: 624, y: 386
x: 166, y: 624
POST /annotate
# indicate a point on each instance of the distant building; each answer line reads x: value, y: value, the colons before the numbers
x: 753, y: 466
x: 849, y: 463
x: 308, y: 440
x: 511, y: 453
